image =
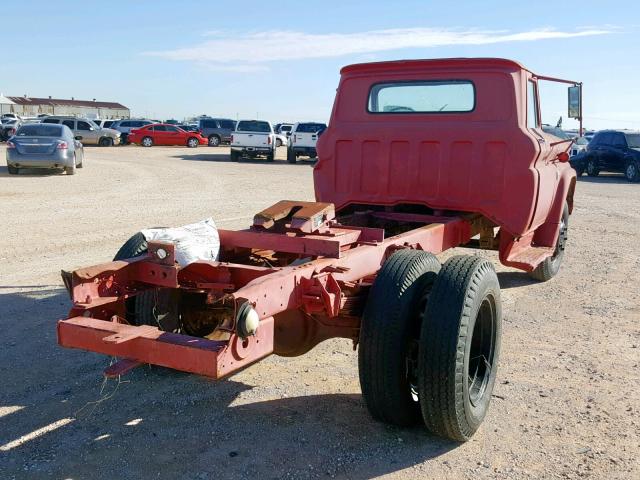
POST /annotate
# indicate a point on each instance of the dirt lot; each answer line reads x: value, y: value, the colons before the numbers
x: 566, y: 404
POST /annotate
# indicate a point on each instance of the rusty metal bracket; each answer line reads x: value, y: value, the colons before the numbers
x: 163, y: 253
x: 307, y: 217
x: 321, y: 293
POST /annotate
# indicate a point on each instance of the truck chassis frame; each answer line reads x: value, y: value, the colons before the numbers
x: 314, y: 299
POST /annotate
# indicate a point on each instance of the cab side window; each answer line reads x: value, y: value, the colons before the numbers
x: 83, y: 126
x: 69, y: 123
x: 532, y: 105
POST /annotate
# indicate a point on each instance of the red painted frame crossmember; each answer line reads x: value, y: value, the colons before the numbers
x: 147, y: 344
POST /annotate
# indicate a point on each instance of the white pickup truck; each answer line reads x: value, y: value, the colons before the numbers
x: 253, y: 138
x: 303, y: 139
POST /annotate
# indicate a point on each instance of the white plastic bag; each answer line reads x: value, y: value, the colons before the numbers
x: 197, y: 241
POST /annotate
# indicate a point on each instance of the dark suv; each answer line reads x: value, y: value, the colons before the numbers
x: 612, y: 151
x: 217, y: 130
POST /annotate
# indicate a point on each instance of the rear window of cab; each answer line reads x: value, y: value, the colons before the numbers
x: 422, y: 96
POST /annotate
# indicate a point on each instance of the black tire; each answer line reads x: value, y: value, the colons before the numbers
x: 461, y: 328
x: 106, y: 142
x: 192, y: 142
x: 147, y: 142
x: 153, y: 306
x: 291, y: 157
x: 139, y: 308
x: 271, y: 156
x: 389, y: 336
x: 13, y: 170
x: 551, y: 265
x: 214, y: 141
x: 235, y: 156
x: 592, y: 168
x: 124, y: 139
x: 134, y: 247
x: 632, y: 171
x: 278, y: 142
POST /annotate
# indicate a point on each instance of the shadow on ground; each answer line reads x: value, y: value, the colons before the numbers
x: 515, y: 279
x: 164, y: 424
x: 31, y: 172
x: 604, y: 178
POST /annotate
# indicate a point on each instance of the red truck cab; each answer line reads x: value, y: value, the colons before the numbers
x: 461, y: 135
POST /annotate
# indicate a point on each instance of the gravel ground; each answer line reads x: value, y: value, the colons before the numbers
x: 566, y: 403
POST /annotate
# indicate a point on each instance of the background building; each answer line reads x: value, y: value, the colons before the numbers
x: 32, y: 107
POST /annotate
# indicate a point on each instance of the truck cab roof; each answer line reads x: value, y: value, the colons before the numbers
x: 432, y: 63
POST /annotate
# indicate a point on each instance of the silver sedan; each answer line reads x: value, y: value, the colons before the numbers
x: 41, y: 145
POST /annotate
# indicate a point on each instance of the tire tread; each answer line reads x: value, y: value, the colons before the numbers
x: 443, y: 341
x: 384, y: 335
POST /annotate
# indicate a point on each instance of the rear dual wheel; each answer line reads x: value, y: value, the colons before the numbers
x: 429, y: 342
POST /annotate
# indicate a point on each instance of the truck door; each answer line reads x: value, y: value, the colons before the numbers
x: 546, y: 162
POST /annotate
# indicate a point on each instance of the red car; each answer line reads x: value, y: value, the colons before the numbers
x: 165, y: 134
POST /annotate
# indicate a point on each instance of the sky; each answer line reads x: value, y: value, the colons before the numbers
x: 280, y: 61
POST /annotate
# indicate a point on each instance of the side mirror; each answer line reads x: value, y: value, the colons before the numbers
x: 575, y: 102
x: 78, y: 138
